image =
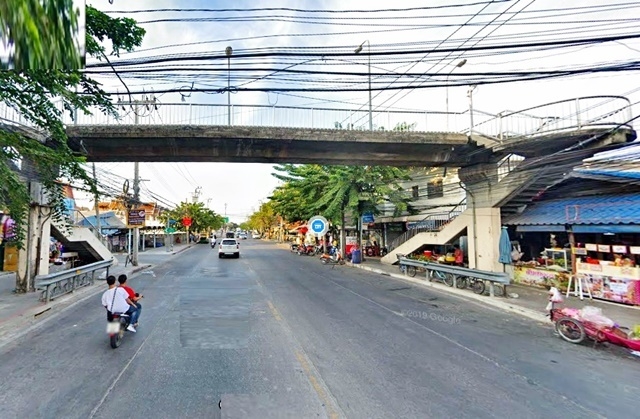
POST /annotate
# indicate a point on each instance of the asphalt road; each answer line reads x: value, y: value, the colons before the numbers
x: 273, y: 334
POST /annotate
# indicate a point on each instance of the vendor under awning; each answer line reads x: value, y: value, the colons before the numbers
x: 607, y: 214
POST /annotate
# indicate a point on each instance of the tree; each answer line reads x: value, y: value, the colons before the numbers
x: 263, y: 219
x: 41, y: 33
x: 203, y: 220
x: 32, y: 94
x: 338, y: 191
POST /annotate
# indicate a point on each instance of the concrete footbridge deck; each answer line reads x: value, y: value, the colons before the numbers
x: 183, y: 132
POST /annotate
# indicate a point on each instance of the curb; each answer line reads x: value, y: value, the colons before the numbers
x: 504, y: 305
x: 183, y: 249
x: 29, y: 320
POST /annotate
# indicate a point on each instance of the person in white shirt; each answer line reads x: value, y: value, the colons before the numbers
x: 116, y: 300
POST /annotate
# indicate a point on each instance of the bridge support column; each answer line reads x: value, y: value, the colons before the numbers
x: 33, y: 258
x: 485, y: 227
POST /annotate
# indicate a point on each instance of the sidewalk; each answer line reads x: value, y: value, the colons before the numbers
x: 530, y: 302
x: 20, y: 312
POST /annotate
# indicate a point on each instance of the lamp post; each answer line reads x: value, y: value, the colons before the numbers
x: 470, y: 95
x: 358, y: 51
x: 460, y: 64
x: 228, y: 51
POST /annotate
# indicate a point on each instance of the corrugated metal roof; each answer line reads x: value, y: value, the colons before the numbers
x: 601, y: 209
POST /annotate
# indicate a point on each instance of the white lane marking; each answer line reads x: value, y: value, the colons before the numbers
x: 126, y: 366
x: 466, y: 348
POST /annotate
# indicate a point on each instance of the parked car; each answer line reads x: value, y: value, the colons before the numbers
x: 242, y: 236
x: 229, y: 247
x: 255, y: 236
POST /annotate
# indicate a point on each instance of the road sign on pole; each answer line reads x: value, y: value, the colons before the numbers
x: 318, y: 225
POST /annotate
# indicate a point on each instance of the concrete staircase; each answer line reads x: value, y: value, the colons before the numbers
x: 440, y: 234
x: 83, y: 241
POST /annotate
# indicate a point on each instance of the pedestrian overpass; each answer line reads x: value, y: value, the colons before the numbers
x: 186, y: 132
x: 479, y: 144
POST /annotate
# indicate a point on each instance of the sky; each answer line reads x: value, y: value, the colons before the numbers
x: 238, y: 189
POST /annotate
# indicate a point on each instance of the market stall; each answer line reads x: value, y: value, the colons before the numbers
x: 615, y: 280
x: 552, y: 268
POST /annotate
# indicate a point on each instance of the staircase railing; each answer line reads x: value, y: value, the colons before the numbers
x: 74, y: 222
x: 430, y: 223
x: 507, y: 164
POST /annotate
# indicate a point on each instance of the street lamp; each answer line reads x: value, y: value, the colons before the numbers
x: 470, y: 95
x: 229, y: 51
x: 358, y: 51
x: 460, y: 64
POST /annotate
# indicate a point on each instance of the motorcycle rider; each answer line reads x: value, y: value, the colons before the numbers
x: 133, y: 296
x: 116, y: 300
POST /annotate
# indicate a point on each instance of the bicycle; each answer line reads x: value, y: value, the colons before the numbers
x: 406, y: 269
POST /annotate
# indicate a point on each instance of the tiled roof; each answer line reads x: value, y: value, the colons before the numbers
x: 599, y: 209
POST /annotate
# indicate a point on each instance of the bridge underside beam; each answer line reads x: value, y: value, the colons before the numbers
x: 146, y: 143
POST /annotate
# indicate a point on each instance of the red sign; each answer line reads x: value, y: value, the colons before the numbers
x: 186, y: 221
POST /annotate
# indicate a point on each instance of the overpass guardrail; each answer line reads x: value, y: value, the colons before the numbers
x: 564, y: 115
x: 64, y: 282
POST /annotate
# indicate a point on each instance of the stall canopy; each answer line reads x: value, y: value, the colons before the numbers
x: 109, y: 222
x: 588, y: 214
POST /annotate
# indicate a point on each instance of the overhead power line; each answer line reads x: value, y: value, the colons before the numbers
x: 288, y: 9
x: 222, y: 56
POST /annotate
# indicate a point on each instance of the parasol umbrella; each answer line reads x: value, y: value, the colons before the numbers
x: 505, y: 247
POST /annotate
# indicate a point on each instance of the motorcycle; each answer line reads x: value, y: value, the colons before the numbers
x: 307, y: 250
x: 116, y: 328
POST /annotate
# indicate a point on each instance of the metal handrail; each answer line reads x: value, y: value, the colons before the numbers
x: 522, y: 111
x: 554, y: 122
x: 439, y: 224
x: 93, y: 228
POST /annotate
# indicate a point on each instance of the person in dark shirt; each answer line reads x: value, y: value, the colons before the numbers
x: 133, y: 296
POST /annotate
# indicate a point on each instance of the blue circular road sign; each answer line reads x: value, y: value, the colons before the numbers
x: 318, y: 225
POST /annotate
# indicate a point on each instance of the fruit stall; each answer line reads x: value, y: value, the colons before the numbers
x: 552, y: 268
x: 617, y: 280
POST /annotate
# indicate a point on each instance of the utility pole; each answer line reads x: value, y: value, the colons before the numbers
x: 146, y: 102
x: 97, y: 198
x: 196, y: 194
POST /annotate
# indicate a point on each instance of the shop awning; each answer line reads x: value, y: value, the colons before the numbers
x: 582, y: 213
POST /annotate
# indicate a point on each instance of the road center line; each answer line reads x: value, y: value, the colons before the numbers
x: 126, y: 366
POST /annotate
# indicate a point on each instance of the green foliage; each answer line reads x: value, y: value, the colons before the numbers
x: 123, y: 33
x: 402, y: 126
x: 263, y: 219
x: 202, y: 219
x: 41, y: 32
x: 336, y: 191
x: 42, y: 97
